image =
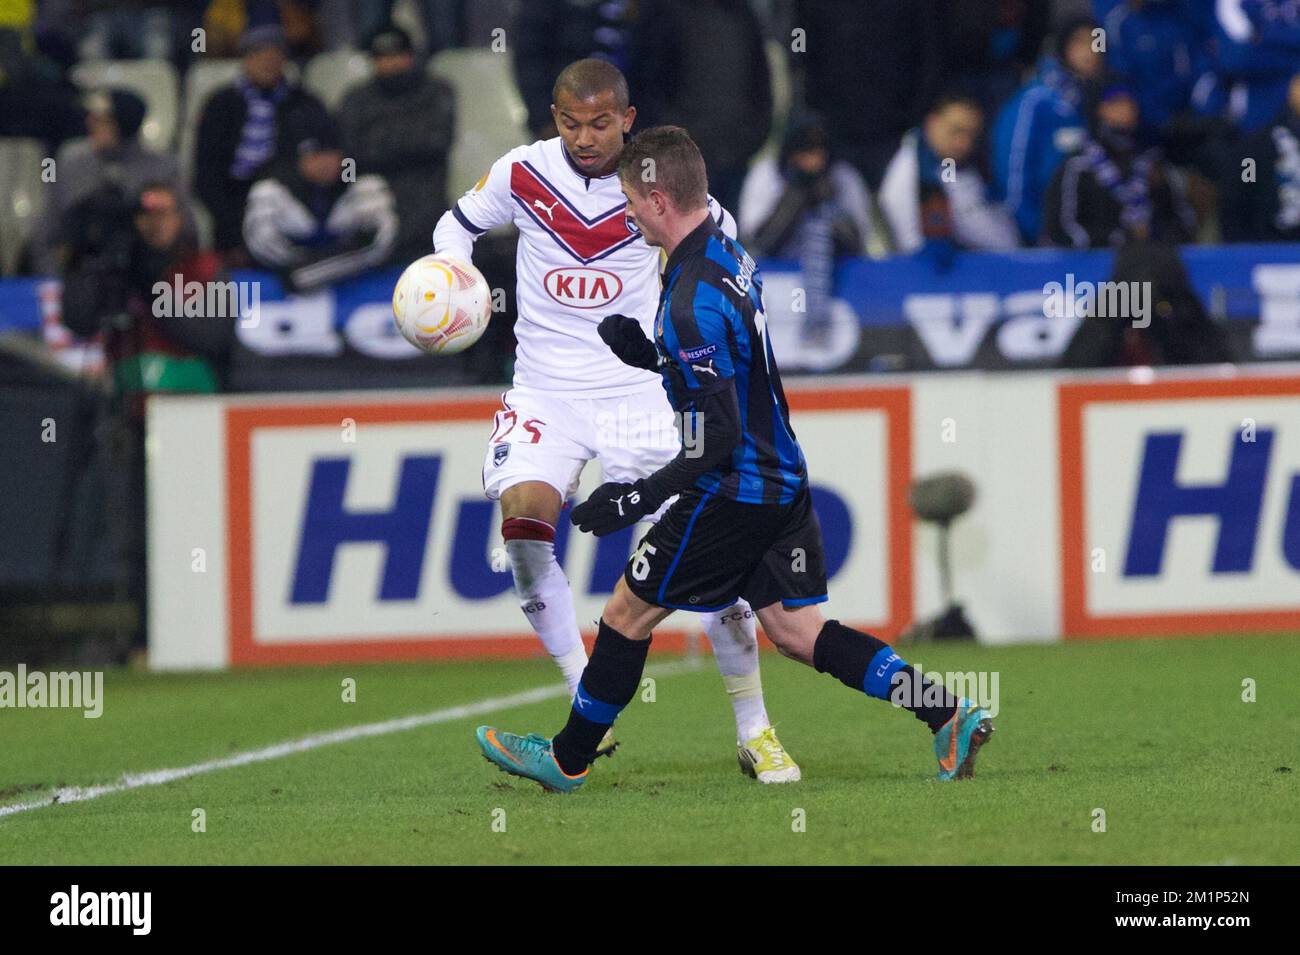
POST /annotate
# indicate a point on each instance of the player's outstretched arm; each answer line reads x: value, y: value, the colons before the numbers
x: 483, y: 207
x: 615, y: 505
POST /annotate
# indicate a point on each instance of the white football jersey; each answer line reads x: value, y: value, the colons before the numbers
x: 578, y: 261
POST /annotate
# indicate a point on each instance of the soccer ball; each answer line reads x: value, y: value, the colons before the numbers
x: 442, y: 305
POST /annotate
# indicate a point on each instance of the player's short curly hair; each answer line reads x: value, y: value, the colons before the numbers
x: 667, y: 159
x: 586, y: 79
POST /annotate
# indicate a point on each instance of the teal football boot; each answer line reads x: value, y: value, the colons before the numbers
x: 528, y: 756
x: 960, y: 739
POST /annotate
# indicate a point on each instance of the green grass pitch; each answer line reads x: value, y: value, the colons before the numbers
x: 1155, y: 733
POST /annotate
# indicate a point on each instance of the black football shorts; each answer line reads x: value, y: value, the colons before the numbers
x: 706, y: 551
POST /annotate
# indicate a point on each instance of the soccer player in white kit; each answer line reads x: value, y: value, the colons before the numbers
x: 579, y: 260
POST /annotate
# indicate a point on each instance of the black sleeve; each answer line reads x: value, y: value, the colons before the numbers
x: 213, y: 148
x: 714, y: 430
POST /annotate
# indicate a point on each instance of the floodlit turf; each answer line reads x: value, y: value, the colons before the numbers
x: 1155, y: 733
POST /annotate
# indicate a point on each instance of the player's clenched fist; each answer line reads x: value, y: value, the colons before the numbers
x: 625, y: 339
x: 614, y: 506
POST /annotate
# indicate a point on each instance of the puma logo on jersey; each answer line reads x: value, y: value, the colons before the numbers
x: 705, y: 369
x: 584, y: 236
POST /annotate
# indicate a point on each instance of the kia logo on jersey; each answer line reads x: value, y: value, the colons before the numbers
x: 581, y: 287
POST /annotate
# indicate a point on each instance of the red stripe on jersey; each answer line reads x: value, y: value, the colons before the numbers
x: 586, y: 241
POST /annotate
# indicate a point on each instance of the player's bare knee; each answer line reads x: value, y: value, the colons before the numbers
x: 630, y: 615
x: 792, y: 631
x: 532, y: 500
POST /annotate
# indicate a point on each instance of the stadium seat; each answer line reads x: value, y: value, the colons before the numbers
x: 331, y: 75
x: 490, y: 116
x: 22, y: 197
x: 154, y: 81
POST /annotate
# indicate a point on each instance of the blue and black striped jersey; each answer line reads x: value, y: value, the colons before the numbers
x: 711, y: 331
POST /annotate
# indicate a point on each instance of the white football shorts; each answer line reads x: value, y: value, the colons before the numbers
x: 550, y: 438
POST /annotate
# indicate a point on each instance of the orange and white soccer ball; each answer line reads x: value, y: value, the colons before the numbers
x: 441, y: 304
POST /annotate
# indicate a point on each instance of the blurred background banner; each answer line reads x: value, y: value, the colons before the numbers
x: 986, y: 311
x: 325, y: 527
x: 354, y: 527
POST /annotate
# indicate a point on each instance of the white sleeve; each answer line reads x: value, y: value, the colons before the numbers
x: 980, y: 224
x: 726, y: 222
x: 852, y: 192
x: 368, y: 205
x: 900, y: 199
x: 485, y: 206
x: 759, y: 194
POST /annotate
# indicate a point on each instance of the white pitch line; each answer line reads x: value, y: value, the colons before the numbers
x: 303, y: 744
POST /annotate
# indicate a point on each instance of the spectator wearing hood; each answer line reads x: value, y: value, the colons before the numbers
x: 1112, y: 191
x: 1043, y: 124
x: 933, y: 196
x: 110, y: 155
x: 400, y: 125
x: 1267, y: 207
x: 239, y: 129
x: 308, y: 223
x: 802, y: 205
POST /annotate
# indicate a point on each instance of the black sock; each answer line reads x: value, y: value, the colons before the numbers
x: 863, y: 662
x: 607, y: 685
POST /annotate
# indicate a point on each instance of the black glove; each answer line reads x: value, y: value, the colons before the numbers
x: 614, y: 506
x: 625, y: 339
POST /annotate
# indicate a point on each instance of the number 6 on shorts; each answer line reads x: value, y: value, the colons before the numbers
x: 640, y: 563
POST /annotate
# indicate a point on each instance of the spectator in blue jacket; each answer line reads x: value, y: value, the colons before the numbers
x: 1043, y: 124
x: 1257, y: 47
x: 1156, y: 45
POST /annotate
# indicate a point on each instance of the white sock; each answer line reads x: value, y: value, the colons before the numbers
x: 733, y: 633
x: 547, y: 602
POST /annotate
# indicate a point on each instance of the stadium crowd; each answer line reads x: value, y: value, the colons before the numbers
x: 916, y: 126
x: 906, y: 127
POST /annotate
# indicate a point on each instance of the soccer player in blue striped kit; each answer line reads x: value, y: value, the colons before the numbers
x: 743, y: 517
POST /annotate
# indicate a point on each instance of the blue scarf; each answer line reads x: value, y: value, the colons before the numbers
x: 817, y: 268
x: 257, y: 139
x: 1131, y: 191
